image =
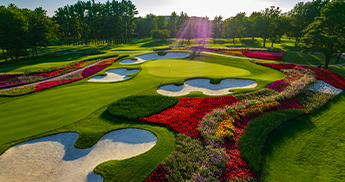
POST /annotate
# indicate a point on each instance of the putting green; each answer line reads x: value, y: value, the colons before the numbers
x: 187, y: 68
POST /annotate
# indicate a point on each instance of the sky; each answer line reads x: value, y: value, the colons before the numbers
x: 201, y: 8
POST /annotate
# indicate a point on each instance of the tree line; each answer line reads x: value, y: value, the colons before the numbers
x: 114, y: 22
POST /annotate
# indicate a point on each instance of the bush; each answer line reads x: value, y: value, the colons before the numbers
x: 134, y: 107
x: 191, y: 159
x: 94, y: 52
x: 160, y: 34
x: 18, y: 91
x: 162, y: 53
x: 254, y: 136
x: 312, y: 100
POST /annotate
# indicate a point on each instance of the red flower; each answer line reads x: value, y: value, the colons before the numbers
x: 186, y: 115
x: 54, y: 73
x: 264, y: 55
x: 159, y: 174
x: 51, y: 84
x: 333, y: 78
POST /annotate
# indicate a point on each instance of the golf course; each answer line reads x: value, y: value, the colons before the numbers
x: 94, y: 109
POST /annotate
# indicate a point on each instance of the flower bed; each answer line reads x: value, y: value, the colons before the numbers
x: 54, y: 73
x: 71, y: 78
x: 264, y: 55
x: 278, y: 66
x: 192, y: 160
x: 51, y: 84
x: 278, y: 85
x: 3, y: 78
x: 333, y: 78
x: 159, y: 174
x: 10, y: 83
x: 186, y: 115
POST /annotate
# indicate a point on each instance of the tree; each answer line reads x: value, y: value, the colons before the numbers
x: 250, y: 25
x: 40, y: 30
x: 161, y: 22
x: 160, y: 34
x: 326, y: 34
x: 217, y: 26
x: 13, y: 29
x: 301, y: 16
x: 172, y: 24
x: 234, y: 27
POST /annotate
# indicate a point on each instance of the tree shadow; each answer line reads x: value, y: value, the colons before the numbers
x: 292, y: 129
x: 158, y: 43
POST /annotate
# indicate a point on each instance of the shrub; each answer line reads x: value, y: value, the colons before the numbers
x: 94, y: 52
x: 135, y: 107
x: 256, y: 95
x: 162, y: 53
x: 17, y: 91
x: 312, y: 100
x: 193, y: 160
x: 253, y: 138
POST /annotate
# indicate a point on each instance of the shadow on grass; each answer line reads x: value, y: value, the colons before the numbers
x: 158, y: 43
x: 291, y: 130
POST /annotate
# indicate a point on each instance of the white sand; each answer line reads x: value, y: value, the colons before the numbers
x: 206, y: 87
x: 114, y: 75
x: 54, y: 158
x: 321, y: 86
x: 154, y: 56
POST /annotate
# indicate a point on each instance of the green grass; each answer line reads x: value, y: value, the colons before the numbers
x: 286, y: 44
x: 254, y: 136
x: 138, y: 106
x: 310, y: 148
x: 45, y: 61
x: 97, y: 124
x: 53, y: 108
x: 312, y: 59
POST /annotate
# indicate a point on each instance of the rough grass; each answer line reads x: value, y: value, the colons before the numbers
x: 254, y: 136
x: 134, y: 107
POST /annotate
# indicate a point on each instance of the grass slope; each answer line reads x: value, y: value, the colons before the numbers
x: 308, y: 149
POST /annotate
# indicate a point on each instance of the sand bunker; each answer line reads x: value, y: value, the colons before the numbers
x: 54, y: 158
x: 114, y: 75
x: 154, y: 56
x: 206, y: 87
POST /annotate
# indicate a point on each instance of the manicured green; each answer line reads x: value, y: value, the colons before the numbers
x: 56, y: 107
x: 254, y: 136
x: 134, y: 107
x: 186, y: 68
x: 310, y: 148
